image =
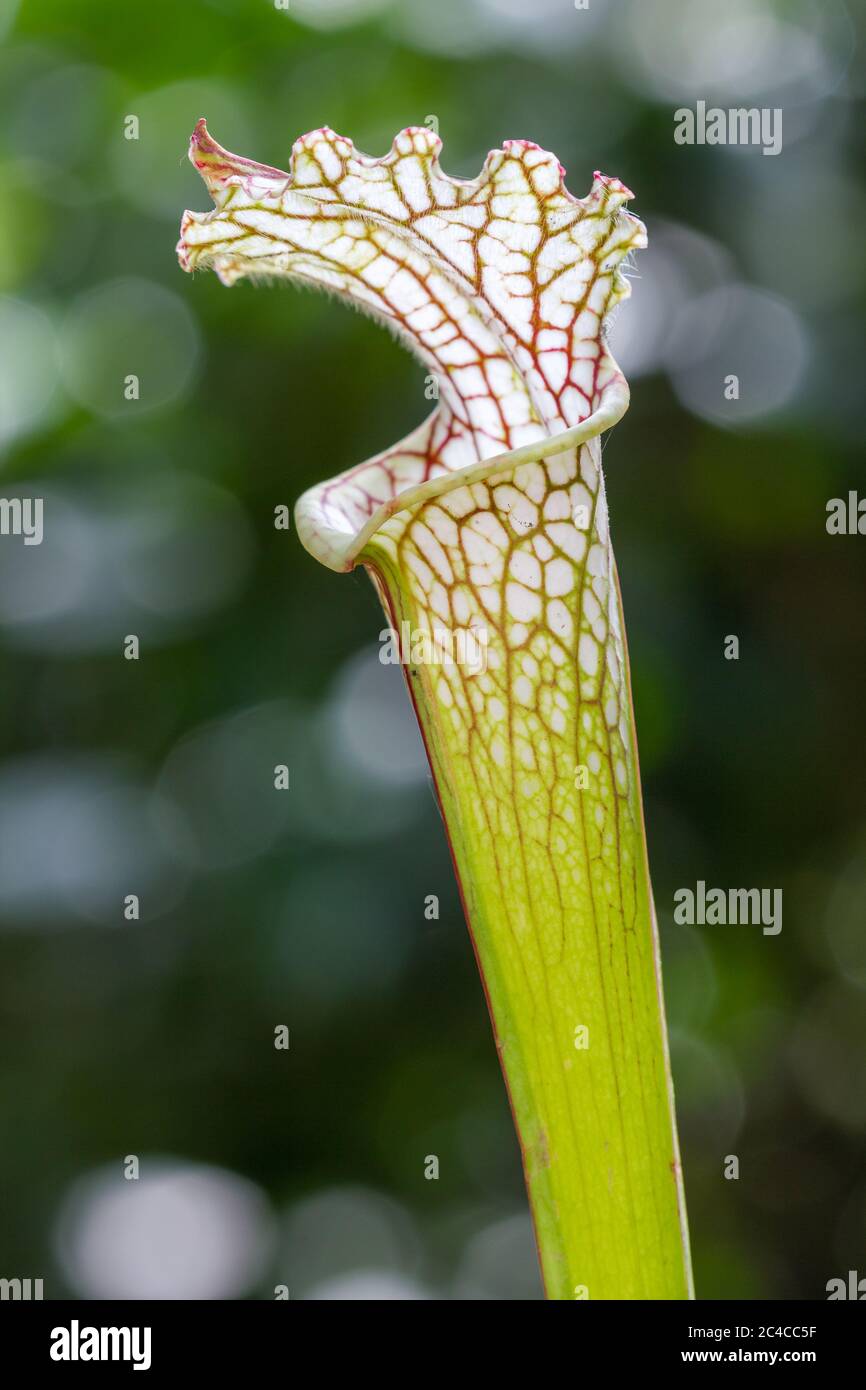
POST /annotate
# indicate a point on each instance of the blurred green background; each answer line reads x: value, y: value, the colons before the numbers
x: 155, y: 1038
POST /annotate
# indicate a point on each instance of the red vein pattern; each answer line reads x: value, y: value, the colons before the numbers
x: 500, y: 285
x: 490, y: 522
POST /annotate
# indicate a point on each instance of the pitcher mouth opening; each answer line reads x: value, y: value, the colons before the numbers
x: 317, y: 510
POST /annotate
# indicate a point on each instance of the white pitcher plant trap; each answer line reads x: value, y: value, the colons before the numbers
x: 490, y: 519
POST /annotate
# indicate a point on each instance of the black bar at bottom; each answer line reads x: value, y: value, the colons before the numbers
x: 70, y: 1338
